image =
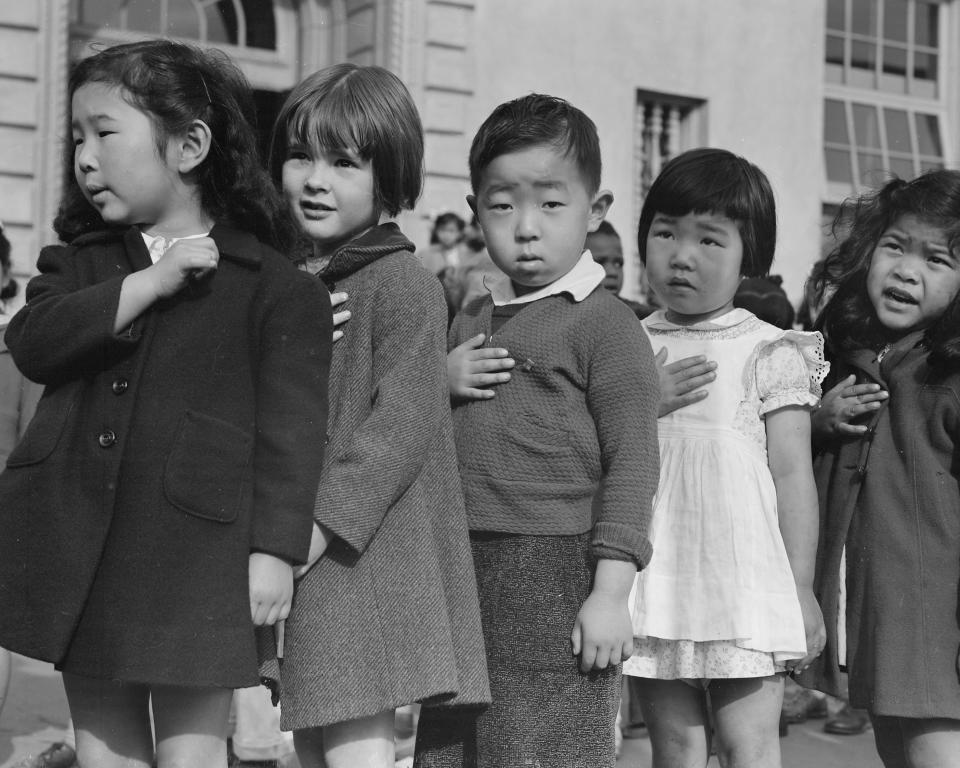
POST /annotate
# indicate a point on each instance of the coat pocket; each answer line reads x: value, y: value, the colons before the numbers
x: 46, y: 427
x: 208, y: 471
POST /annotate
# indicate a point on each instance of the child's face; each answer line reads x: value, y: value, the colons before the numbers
x: 448, y: 235
x: 535, y: 212
x: 693, y: 264
x: 607, y: 251
x: 913, y: 276
x: 330, y: 193
x: 116, y: 163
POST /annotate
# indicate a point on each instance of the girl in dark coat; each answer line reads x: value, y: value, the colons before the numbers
x: 156, y: 506
x: 889, y: 482
x: 387, y: 615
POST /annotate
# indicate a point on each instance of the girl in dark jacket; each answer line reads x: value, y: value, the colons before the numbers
x: 155, y: 508
x: 888, y: 470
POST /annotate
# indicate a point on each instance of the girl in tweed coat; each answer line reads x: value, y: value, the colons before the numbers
x: 385, y: 613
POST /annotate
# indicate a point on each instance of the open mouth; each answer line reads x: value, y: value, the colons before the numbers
x: 308, y: 205
x: 901, y: 297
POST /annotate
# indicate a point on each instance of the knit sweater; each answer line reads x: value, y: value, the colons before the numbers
x: 579, y: 414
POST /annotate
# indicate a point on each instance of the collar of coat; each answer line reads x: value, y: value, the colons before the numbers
x: 233, y: 244
x: 371, y: 245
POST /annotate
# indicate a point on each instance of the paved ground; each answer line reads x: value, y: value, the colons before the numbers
x: 36, y: 714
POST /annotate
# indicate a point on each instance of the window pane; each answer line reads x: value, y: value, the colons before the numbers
x: 261, y: 24
x: 929, y: 165
x: 100, y: 12
x: 873, y: 170
x: 927, y: 28
x: 863, y: 55
x: 895, y: 20
x: 834, y: 50
x: 221, y: 23
x: 182, y: 19
x: 144, y: 16
x: 894, y: 60
x: 835, y: 14
x: 866, y: 129
x: 834, y: 123
x: 898, y: 130
x: 925, y: 66
x: 902, y: 167
x: 864, y: 18
x: 928, y: 135
x: 838, y: 165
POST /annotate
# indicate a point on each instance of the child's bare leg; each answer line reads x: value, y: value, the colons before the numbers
x: 111, y: 721
x: 908, y: 742
x: 191, y: 725
x: 746, y: 714
x: 308, y: 743
x: 363, y: 743
x: 676, y: 717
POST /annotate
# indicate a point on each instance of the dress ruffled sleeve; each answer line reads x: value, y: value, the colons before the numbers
x: 790, y: 369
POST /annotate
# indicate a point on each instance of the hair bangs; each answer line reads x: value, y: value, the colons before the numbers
x: 331, y: 122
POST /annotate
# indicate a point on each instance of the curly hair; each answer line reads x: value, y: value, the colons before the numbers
x: 849, y: 320
x: 716, y: 181
x: 173, y: 84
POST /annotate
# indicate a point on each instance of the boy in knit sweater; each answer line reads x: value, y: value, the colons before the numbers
x: 577, y: 419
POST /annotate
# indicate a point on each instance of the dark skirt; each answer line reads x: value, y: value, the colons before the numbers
x: 545, y: 712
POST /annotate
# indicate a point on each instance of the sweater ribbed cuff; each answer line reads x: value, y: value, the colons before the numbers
x: 616, y: 541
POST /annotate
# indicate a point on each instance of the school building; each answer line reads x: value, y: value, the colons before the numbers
x: 825, y: 95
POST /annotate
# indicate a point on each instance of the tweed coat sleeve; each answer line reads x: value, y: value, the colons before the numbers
x: 385, y: 454
x: 295, y: 339
x: 623, y: 393
x: 62, y: 297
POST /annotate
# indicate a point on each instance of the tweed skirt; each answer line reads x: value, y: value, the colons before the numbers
x: 545, y: 712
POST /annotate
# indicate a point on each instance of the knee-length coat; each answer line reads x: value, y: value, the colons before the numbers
x: 158, y: 459
x: 389, y: 615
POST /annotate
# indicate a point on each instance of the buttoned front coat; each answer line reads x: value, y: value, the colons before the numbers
x: 158, y: 459
x: 892, y: 502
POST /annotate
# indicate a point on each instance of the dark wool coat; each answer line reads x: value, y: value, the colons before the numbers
x: 159, y: 457
x: 894, y: 500
x: 389, y: 614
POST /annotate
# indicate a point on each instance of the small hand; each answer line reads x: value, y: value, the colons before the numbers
x: 844, y: 403
x: 602, y: 633
x: 271, y: 588
x: 319, y: 541
x: 339, y: 318
x: 471, y: 366
x: 185, y: 260
x: 813, y: 629
x: 681, y: 381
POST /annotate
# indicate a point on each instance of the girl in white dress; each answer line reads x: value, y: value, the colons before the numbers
x: 725, y: 607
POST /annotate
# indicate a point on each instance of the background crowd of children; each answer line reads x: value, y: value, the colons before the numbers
x: 275, y: 445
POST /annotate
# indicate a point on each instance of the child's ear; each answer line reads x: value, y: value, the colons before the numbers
x: 598, y: 208
x: 472, y: 202
x: 194, y: 146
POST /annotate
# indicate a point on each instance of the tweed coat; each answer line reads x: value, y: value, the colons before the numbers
x: 18, y: 400
x: 389, y: 615
x: 158, y: 459
x: 893, y: 500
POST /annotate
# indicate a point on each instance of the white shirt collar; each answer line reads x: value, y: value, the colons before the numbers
x: 658, y: 321
x: 579, y: 282
x: 156, y: 253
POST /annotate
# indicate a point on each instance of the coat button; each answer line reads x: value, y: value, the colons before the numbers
x: 120, y: 385
x: 107, y: 438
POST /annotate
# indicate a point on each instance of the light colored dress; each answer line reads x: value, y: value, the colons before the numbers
x: 718, y: 598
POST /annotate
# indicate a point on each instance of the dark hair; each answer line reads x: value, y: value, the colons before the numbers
x: 174, y: 84
x: 720, y: 182
x: 442, y: 220
x: 535, y: 120
x: 9, y: 290
x: 604, y: 228
x: 765, y: 297
x: 365, y: 109
x: 849, y: 320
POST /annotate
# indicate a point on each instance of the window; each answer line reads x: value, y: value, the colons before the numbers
x: 888, y: 45
x: 240, y: 23
x: 884, y: 110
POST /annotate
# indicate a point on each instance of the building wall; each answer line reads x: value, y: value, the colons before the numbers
x: 756, y: 64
